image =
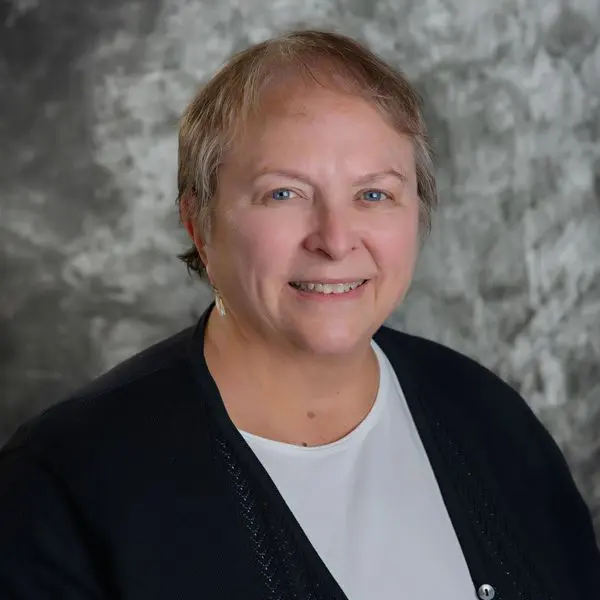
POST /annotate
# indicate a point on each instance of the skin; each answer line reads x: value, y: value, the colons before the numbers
x: 297, y: 200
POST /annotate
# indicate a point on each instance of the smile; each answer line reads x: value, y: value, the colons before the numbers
x: 327, y: 288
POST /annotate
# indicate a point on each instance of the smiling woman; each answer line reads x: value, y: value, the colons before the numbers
x: 290, y: 446
x: 308, y: 217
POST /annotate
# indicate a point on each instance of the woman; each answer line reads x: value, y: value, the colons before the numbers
x: 290, y: 445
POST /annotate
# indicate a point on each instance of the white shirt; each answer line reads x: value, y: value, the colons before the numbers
x: 370, y: 505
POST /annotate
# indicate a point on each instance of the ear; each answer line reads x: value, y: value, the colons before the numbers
x: 191, y: 225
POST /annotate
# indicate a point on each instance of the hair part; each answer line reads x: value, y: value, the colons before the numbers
x: 220, y: 110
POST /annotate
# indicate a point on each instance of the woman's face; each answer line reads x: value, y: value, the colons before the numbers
x: 320, y: 190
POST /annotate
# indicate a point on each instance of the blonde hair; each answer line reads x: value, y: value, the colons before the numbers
x: 219, y: 110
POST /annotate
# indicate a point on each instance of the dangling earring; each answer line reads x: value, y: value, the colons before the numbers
x: 219, y: 302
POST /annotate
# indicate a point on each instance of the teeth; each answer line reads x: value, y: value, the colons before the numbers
x: 327, y: 288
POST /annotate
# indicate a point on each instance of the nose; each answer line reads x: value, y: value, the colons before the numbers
x: 334, y: 234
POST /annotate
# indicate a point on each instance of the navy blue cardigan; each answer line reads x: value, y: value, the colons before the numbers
x: 139, y: 487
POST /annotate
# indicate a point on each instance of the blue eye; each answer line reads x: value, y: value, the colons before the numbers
x: 374, y: 195
x: 281, y: 194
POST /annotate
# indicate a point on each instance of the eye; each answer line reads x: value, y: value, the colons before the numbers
x: 374, y: 196
x: 281, y: 194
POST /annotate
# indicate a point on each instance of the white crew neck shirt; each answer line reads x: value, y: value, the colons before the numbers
x: 370, y: 505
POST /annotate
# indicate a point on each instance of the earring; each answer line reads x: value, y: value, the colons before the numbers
x: 219, y: 302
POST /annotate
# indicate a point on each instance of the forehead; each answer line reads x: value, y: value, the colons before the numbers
x: 296, y: 117
x: 297, y: 98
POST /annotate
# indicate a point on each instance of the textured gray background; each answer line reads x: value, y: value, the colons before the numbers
x: 90, y: 94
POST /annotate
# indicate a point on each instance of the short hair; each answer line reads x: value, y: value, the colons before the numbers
x: 221, y: 107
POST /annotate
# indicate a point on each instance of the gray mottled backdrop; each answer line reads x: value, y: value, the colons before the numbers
x: 90, y: 94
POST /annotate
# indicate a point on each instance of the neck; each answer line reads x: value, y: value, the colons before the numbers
x: 288, y: 395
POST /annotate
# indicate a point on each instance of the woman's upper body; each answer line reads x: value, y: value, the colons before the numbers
x: 305, y: 183
x: 140, y: 486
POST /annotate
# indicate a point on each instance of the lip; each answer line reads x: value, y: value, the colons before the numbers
x: 331, y: 281
x: 317, y: 297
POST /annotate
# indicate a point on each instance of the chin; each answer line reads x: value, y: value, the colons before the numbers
x: 332, y: 341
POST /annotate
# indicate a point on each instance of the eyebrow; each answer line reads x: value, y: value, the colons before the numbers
x: 368, y: 178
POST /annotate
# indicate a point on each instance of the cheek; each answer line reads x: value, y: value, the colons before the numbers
x: 260, y: 246
x: 398, y: 245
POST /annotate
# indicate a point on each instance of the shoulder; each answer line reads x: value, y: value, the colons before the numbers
x: 483, y: 416
x: 486, y: 413
x: 437, y: 362
x: 501, y: 432
x: 475, y: 392
x: 433, y: 355
x: 107, y: 457
x: 121, y: 406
